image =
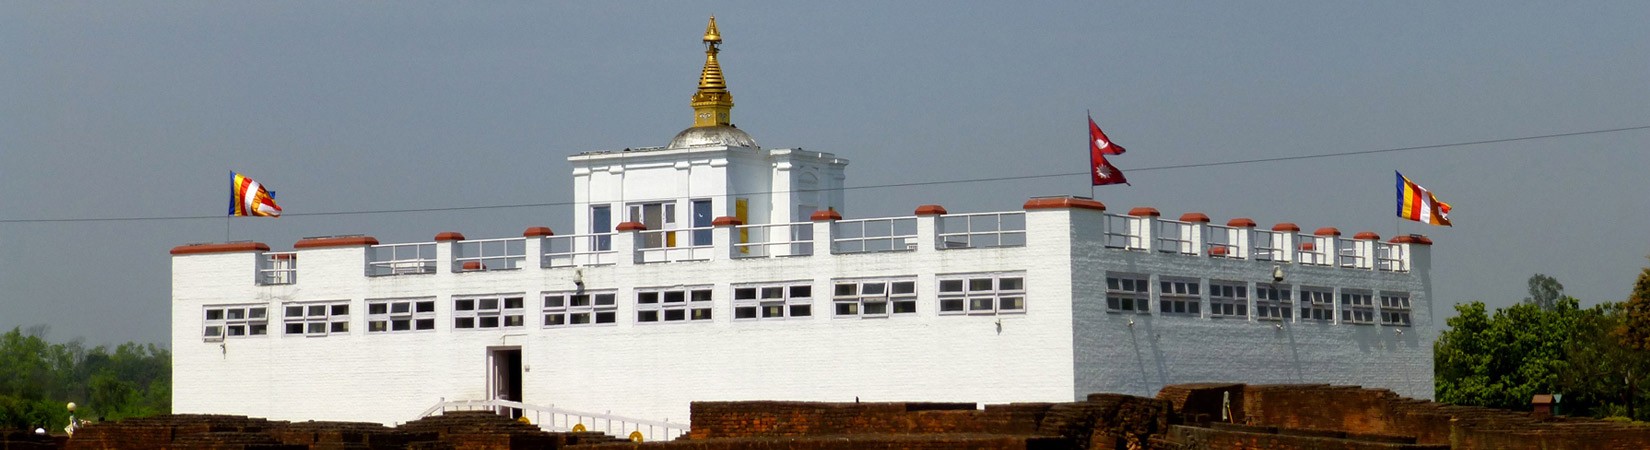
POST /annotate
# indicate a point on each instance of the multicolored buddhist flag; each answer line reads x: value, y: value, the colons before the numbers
x: 248, y: 198
x: 1417, y: 203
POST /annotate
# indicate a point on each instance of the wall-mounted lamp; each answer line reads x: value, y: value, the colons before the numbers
x: 578, y: 278
x: 1398, y: 331
x: 1277, y: 326
x: 1131, y: 323
x: 1277, y: 273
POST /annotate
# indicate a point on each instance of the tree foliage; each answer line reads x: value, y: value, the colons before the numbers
x: 1598, y: 357
x: 38, y: 378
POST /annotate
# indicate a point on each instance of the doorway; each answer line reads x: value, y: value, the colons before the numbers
x: 504, y: 378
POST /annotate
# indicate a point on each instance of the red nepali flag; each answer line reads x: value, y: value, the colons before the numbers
x: 1101, y: 171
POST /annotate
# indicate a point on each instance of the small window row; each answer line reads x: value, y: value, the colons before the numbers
x: 1133, y: 294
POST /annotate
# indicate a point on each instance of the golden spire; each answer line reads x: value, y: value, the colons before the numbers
x: 712, y: 104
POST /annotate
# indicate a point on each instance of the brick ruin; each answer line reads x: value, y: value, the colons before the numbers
x: 1181, y: 417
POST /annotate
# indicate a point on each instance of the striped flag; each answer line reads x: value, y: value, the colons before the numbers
x: 1417, y: 203
x: 248, y: 198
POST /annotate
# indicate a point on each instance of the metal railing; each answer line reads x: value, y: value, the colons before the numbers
x: 1266, y: 245
x: 1390, y: 257
x: 1221, y: 241
x: 1315, y: 251
x: 779, y: 239
x: 401, y: 259
x: 1350, y: 254
x: 1174, y: 236
x: 560, y: 419
x: 595, y: 249
x: 672, y: 245
x: 1123, y: 232
x: 276, y: 268
x: 896, y: 234
x: 489, y: 254
x: 983, y: 230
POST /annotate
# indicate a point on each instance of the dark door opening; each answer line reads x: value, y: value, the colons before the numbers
x: 505, y: 380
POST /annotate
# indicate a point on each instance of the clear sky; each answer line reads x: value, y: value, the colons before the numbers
x: 141, y: 109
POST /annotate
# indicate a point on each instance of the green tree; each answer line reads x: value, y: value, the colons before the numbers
x: 37, y: 378
x: 1634, y: 331
x: 1502, y: 360
x: 1544, y: 291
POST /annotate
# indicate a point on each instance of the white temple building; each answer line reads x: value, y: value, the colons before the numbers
x: 716, y: 269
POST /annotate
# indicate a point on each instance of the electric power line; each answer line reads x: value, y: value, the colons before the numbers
x: 881, y: 186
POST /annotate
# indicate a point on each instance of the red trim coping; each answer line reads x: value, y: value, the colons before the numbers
x: 339, y: 241
x: 449, y: 236
x: 284, y: 256
x: 220, y: 247
x: 1144, y: 211
x: 1367, y: 235
x: 1327, y: 231
x: 825, y: 214
x: 1309, y: 246
x: 931, y: 210
x: 474, y: 265
x: 538, y: 231
x: 1194, y: 217
x: 1286, y: 226
x: 630, y: 226
x: 1063, y: 203
x: 1217, y: 251
x: 1241, y: 222
x: 726, y: 221
x: 1412, y: 239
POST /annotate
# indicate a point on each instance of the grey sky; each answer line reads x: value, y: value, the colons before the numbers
x: 122, y: 109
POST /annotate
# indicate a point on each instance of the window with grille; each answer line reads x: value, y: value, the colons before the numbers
x: 234, y: 321
x: 1179, y: 296
x: 1317, y: 304
x: 874, y: 298
x: 1357, y: 307
x: 398, y: 315
x: 565, y: 309
x: 1228, y: 299
x: 982, y: 294
x: 316, y: 319
x: 490, y: 312
x: 673, y: 305
x: 1128, y: 294
x: 1273, y: 302
x: 1395, y: 308
x: 775, y: 301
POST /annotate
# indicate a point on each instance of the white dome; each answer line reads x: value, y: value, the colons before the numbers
x: 711, y: 137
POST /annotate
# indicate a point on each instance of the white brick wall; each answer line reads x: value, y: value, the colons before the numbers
x: 1063, y: 347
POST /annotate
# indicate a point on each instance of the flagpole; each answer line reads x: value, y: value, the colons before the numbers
x: 226, y: 220
x: 1090, y: 116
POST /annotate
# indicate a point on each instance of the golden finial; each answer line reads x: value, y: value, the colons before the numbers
x: 711, y: 35
x: 712, y: 104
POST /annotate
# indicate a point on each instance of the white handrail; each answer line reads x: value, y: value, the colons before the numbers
x: 652, y: 430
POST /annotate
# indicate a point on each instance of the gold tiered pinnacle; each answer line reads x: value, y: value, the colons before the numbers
x: 712, y: 104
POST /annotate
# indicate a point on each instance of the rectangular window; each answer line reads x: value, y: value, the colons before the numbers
x: 601, y: 221
x: 1317, y: 304
x: 226, y: 321
x: 1357, y: 307
x: 673, y: 305
x: 1395, y: 308
x: 1228, y: 299
x: 983, y: 294
x: 393, y: 315
x: 1128, y: 294
x: 772, y: 301
x: 564, y: 309
x: 702, y: 217
x: 1179, y: 296
x: 1273, y: 302
x: 874, y: 298
x: 505, y: 311
x: 316, y: 319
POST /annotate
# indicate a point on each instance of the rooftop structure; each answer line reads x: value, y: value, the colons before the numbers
x: 712, y: 269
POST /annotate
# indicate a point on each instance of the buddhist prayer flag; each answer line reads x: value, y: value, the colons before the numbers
x: 248, y: 198
x: 1417, y: 203
x: 1101, y: 171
